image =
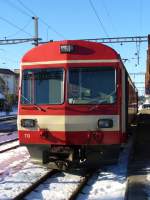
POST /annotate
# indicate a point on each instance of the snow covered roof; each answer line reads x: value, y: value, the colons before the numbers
x: 2, y: 96
x: 6, y: 71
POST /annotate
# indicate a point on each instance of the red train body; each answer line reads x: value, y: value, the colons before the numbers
x: 76, y: 101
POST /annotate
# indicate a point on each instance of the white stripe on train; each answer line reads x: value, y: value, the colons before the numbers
x: 70, y: 61
x: 70, y: 122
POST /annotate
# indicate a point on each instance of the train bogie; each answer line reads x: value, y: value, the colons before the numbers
x: 62, y: 157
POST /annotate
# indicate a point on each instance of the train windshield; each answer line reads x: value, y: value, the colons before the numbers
x: 42, y: 86
x: 92, y: 85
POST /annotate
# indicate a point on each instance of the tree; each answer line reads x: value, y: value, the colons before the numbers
x: 2, y: 85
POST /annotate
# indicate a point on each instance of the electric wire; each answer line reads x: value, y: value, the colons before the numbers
x: 9, y: 2
x: 25, y: 7
x: 51, y: 28
x: 108, y: 15
x: 140, y: 16
x: 14, y: 25
x: 138, y: 48
x: 43, y: 21
x: 23, y: 28
x: 98, y: 17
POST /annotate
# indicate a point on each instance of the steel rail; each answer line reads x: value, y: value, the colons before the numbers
x: 5, y: 118
x: 81, y: 186
x: 9, y: 148
x: 35, y: 185
x: 8, y: 141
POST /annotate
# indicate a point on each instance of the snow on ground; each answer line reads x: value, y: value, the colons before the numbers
x: 4, y: 137
x: 14, y: 184
x: 110, y: 182
x: 12, y: 135
x: 8, y: 145
x: 147, y: 182
x: 17, y: 172
x: 12, y: 160
x: 106, y: 184
x: 58, y: 187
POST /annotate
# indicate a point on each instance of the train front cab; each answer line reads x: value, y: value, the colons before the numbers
x: 80, y: 116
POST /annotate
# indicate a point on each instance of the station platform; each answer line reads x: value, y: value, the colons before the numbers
x: 139, y: 164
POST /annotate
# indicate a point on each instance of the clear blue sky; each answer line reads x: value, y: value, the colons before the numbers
x: 75, y: 19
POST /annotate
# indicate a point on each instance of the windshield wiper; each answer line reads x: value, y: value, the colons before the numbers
x: 36, y: 106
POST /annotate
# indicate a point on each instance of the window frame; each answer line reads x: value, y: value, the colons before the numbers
x: 44, y: 68
x: 90, y: 67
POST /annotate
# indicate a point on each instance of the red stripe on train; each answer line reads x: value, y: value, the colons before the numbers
x: 70, y: 138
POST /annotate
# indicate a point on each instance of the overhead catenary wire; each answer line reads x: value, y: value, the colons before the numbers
x: 25, y: 7
x: 109, y: 16
x: 140, y: 16
x: 50, y: 27
x: 98, y: 17
x: 42, y: 20
x: 14, y: 25
x: 10, y: 3
x: 23, y: 28
x: 138, y: 52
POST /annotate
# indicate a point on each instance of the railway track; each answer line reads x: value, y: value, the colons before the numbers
x: 21, y: 179
x: 61, y: 186
x: 9, y: 145
x: 11, y: 117
x: 80, y: 187
x: 18, y: 174
x: 47, y: 177
x: 94, y: 185
x: 8, y: 136
x: 23, y: 194
x: 26, y: 177
x: 8, y: 141
x: 35, y: 182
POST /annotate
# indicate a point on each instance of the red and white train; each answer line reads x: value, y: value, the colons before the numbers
x: 76, y: 102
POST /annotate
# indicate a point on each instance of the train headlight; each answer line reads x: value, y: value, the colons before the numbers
x: 28, y: 123
x: 66, y: 48
x: 105, y: 123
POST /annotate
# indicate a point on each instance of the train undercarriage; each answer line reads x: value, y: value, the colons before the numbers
x: 66, y: 157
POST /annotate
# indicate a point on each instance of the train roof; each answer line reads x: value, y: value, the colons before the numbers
x: 79, y: 50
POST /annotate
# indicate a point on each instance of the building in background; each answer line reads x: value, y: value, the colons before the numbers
x: 8, y: 77
x: 9, y: 81
x: 17, y: 75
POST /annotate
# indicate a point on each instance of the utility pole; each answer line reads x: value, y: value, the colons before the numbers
x: 36, y: 42
x: 23, y: 40
x: 147, y: 76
